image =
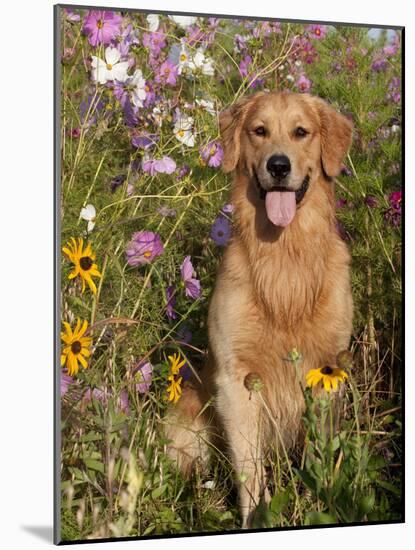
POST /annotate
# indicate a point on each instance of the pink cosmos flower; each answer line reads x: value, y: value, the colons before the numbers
x: 317, y: 31
x: 154, y: 41
x: 143, y: 248
x: 303, y: 84
x: 212, y: 154
x: 167, y: 73
x: 192, y: 285
x: 166, y: 165
x: 101, y: 27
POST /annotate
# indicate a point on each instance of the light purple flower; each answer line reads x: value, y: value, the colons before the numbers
x: 380, y: 64
x: 212, y: 154
x: 171, y: 302
x: 183, y: 171
x: 66, y: 381
x: 154, y: 41
x: 192, y: 285
x: 101, y: 27
x: 317, y: 31
x: 244, y: 65
x: 72, y: 16
x: 166, y: 212
x: 390, y: 50
x: 221, y: 231
x: 167, y: 73
x: 143, y: 376
x: 123, y: 402
x: 166, y: 165
x: 144, y: 140
x: 143, y: 248
x: 303, y: 84
x: 394, y: 90
x: 97, y: 394
x: 129, y: 38
x: 228, y: 208
x: 240, y: 43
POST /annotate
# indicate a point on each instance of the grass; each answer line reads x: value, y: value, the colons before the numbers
x: 116, y: 477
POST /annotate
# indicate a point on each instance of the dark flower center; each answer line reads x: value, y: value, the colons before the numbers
x: 76, y: 347
x: 100, y: 23
x: 86, y: 263
x: 220, y: 233
x: 327, y: 370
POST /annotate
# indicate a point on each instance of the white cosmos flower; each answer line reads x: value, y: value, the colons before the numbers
x: 153, y: 21
x: 181, y: 58
x: 200, y: 61
x: 111, y: 68
x: 207, y: 105
x: 183, y: 21
x: 88, y: 213
x: 183, y: 130
x: 139, y: 93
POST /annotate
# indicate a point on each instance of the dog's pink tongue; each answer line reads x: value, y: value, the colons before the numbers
x: 280, y: 207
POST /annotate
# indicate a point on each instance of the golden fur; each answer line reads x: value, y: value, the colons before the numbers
x: 277, y: 289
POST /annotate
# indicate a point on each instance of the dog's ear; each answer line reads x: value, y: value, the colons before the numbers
x: 336, y: 137
x: 230, y: 124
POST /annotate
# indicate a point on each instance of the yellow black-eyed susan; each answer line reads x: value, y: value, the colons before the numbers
x: 76, y: 347
x: 83, y: 260
x: 329, y: 376
x: 174, y: 390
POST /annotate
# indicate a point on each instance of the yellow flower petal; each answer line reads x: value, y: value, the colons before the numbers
x: 72, y: 364
x: 82, y: 361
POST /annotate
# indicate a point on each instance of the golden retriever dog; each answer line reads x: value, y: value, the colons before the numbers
x: 283, y: 283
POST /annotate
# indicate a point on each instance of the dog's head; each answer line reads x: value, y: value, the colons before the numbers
x: 285, y: 142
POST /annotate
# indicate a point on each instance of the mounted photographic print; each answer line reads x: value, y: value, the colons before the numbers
x: 229, y: 339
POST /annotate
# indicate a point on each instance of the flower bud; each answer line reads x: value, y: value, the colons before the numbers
x: 344, y: 359
x: 253, y: 382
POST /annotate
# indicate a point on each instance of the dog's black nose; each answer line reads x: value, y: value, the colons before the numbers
x: 279, y: 166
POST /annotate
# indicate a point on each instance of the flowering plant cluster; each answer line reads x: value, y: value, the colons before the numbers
x: 145, y: 218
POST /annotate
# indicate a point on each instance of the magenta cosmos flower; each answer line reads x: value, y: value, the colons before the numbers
x: 143, y: 248
x: 101, y: 27
x: 212, y: 154
x: 143, y: 375
x: 166, y: 165
x: 317, y: 31
x: 191, y: 284
x: 394, y: 213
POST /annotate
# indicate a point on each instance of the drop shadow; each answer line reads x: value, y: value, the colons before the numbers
x: 43, y: 532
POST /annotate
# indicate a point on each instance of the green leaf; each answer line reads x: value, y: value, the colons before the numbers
x: 366, y: 505
x: 158, y: 491
x: 93, y: 464
x: 307, y: 479
x: 389, y: 487
x: 280, y: 501
x: 319, y: 518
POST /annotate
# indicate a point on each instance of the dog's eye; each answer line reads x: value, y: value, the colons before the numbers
x: 300, y: 132
x: 260, y: 131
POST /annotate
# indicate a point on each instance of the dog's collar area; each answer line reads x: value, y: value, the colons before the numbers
x: 299, y: 194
